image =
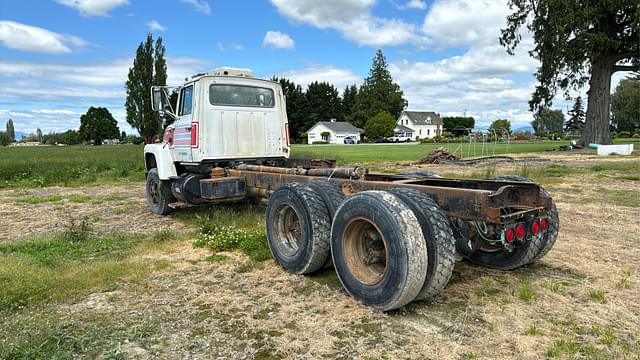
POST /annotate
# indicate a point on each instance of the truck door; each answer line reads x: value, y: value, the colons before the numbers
x: 186, y: 133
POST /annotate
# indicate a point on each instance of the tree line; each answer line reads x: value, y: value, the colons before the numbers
x: 373, y: 107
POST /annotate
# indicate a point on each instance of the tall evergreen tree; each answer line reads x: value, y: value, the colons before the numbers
x: 11, y: 132
x: 323, y: 103
x: 98, y: 125
x: 349, y: 101
x: 378, y: 93
x: 575, y: 124
x: 577, y: 42
x: 39, y: 134
x: 296, y: 108
x: 149, y: 68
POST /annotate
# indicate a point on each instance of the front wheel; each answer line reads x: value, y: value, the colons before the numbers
x: 158, y: 194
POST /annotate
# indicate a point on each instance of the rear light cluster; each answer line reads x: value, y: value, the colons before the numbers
x: 519, y: 231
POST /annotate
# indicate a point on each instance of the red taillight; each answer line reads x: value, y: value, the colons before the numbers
x: 286, y: 132
x: 194, y: 135
x: 535, y: 227
x: 544, y: 224
x: 510, y: 235
x: 520, y: 231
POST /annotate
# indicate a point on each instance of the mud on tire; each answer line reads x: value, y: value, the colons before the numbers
x: 298, y: 228
x: 378, y: 250
x: 438, y: 238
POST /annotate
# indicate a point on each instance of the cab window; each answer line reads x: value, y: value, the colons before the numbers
x: 186, y: 101
x: 241, y: 95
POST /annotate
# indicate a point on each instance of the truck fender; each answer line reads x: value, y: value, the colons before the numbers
x: 159, y: 156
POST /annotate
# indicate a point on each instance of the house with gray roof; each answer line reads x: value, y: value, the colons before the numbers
x: 332, y: 132
x: 423, y: 124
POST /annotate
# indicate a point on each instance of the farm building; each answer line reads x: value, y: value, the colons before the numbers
x: 332, y: 132
x: 420, y: 124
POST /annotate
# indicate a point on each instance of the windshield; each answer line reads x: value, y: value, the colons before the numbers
x: 241, y: 95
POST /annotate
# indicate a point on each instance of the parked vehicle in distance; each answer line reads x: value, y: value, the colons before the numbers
x: 351, y: 140
x: 400, y: 139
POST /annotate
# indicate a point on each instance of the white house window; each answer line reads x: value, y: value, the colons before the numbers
x: 420, y: 131
x: 406, y: 122
x: 428, y: 131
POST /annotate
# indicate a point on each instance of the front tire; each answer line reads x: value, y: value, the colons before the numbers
x: 158, y: 194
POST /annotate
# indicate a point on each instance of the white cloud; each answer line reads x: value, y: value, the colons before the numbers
x: 237, y: 47
x: 278, y: 40
x: 451, y: 23
x: 412, y: 4
x: 200, y: 6
x: 93, y: 7
x: 352, y: 18
x: 23, y: 37
x: 155, y: 26
x: 339, y: 77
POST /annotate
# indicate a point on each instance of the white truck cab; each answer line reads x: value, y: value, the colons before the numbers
x: 222, y: 116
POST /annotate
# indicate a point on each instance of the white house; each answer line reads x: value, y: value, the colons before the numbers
x: 418, y: 124
x: 334, y: 132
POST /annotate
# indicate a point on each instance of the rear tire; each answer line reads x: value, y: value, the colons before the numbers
x: 298, y: 228
x: 158, y: 194
x: 378, y: 249
x: 438, y: 238
x: 531, y: 251
x: 554, y: 220
x: 332, y: 196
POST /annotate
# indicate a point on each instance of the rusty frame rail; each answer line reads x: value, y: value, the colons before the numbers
x: 480, y: 200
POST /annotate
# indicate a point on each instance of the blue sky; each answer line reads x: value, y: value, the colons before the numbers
x: 58, y: 57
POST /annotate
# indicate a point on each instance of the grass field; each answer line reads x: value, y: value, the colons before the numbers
x: 82, y: 165
x: 87, y: 271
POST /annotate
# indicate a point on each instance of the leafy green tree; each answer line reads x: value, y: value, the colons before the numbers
x: 71, y: 137
x: 500, y: 127
x: 547, y: 121
x: 296, y: 108
x: 378, y: 93
x: 323, y: 103
x: 380, y: 125
x: 575, y: 124
x: 98, y: 124
x: 11, y: 132
x: 625, y: 105
x: 457, y: 124
x: 578, y: 42
x: 149, y: 68
x: 123, y: 136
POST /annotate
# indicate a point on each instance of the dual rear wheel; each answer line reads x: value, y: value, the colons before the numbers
x: 388, y: 247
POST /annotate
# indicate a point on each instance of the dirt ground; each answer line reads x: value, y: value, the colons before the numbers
x: 580, y: 301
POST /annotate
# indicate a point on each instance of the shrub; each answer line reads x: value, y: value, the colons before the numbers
x: 624, y: 134
x: 319, y: 142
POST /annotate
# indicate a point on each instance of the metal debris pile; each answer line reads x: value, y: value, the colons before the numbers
x: 438, y: 156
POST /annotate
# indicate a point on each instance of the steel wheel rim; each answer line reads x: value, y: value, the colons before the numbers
x: 287, y: 230
x: 365, y: 253
x: 154, y: 192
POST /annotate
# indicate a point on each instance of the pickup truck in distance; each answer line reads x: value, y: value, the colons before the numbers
x: 392, y: 239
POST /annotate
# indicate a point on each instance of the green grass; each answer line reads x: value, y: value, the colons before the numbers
x: 69, y: 166
x: 39, y: 199
x: 57, y: 335
x: 234, y: 227
x: 69, y: 265
x: 370, y: 153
